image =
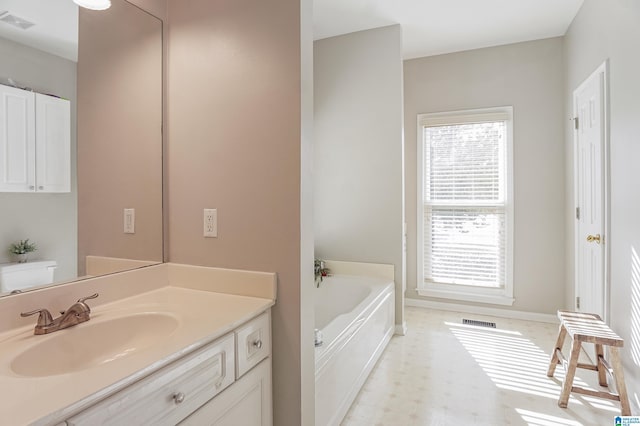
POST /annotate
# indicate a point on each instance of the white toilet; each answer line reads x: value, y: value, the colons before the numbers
x: 21, y: 276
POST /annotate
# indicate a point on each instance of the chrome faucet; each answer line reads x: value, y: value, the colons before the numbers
x: 77, y: 313
x: 317, y: 271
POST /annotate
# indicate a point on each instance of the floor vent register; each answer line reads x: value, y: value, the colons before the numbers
x: 479, y: 323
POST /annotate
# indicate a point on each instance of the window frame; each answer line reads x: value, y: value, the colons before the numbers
x: 498, y: 296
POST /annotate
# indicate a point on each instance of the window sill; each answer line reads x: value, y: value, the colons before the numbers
x: 493, y: 299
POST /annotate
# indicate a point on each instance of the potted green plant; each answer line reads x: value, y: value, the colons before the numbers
x: 21, y: 250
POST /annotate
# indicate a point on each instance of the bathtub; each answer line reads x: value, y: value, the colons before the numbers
x: 356, y: 316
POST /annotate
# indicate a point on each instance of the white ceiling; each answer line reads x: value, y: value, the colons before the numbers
x: 429, y: 27
x: 56, y: 25
x: 433, y: 27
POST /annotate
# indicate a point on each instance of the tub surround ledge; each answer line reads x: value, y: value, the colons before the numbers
x: 207, y: 303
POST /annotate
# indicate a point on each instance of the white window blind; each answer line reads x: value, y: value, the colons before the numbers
x: 464, y: 199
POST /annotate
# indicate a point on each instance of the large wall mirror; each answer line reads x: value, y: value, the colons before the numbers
x: 107, y: 67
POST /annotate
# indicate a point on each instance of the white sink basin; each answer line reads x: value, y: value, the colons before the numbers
x: 90, y: 344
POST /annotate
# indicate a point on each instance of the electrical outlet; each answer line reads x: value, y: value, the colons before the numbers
x: 129, y: 221
x: 211, y: 223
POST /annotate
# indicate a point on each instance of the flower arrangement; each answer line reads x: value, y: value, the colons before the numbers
x: 21, y: 249
x: 319, y: 271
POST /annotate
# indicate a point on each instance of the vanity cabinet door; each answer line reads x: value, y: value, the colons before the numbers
x: 169, y: 395
x: 245, y: 403
x: 17, y: 140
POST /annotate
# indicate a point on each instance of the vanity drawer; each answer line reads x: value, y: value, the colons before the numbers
x: 253, y: 342
x: 169, y: 395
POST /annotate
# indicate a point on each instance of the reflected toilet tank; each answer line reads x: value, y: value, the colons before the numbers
x: 21, y: 276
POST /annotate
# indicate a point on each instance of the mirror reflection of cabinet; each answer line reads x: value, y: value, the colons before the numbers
x: 108, y: 64
x: 35, y: 142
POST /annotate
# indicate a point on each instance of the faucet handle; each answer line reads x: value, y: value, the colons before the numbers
x: 44, y: 319
x: 84, y: 305
x: 93, y: 296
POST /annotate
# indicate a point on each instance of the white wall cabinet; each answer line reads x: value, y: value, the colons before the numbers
x: 17, y: 140
x: 35, y: 142
x: 203, y: 388
x: 53, y: 144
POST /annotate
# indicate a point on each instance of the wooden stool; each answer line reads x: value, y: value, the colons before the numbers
x: 589, y: 328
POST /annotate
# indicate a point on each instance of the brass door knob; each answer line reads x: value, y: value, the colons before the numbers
x: 592, y: 238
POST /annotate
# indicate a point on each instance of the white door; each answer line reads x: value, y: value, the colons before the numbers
x: 17, y: 140
x: 53, y: 144
x: 590, y: 133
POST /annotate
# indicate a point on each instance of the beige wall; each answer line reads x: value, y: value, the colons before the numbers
x: 358, y: 204
x: 611, y: 30
x: 119, y: 133
x: 49, y: 220
x: 529, y: 77
x: 234, y: 144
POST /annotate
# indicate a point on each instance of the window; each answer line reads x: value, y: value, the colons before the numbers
x: 465, y: 205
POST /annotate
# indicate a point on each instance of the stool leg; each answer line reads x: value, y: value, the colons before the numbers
x: 618, y: 374
x: 602, y: 373
x: 571, y: 372
x: 562, y: 333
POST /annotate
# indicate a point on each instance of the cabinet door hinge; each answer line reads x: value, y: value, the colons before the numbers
x: 576, y: 123
x: 578, y: 213
x: 578, y: 302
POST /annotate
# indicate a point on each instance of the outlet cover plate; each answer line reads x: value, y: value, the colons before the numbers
x: 211, y: 223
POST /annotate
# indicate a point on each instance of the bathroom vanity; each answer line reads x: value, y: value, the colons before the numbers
x: 189, y: 345
x: 187, y: 389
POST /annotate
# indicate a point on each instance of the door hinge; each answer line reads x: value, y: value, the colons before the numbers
x: 578, y: 302
x: 578, y: 213
x: 576, y: 122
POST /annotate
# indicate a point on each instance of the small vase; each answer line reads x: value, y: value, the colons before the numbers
x: 22, y: 258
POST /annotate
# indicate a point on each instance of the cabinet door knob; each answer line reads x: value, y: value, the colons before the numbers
x: 32, y: 187
x: 257, y: 343
x: 594, y: 238
x: 41, y: 187
x: 178, y: 397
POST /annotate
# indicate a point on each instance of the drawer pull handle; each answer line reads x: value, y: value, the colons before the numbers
x: 257, y: 343
x: 223, y: 369
x: 178, y: 398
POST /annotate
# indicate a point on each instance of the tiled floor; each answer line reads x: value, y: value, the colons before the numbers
x: 446, y: 373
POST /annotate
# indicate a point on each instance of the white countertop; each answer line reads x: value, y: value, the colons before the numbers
x: 203, y: 317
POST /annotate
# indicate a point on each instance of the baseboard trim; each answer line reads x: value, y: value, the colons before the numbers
x: 481, y: 310
x: 401, y: 329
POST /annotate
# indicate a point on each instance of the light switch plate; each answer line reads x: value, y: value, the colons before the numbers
x: 210, y: 223
x: 129, y: 221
